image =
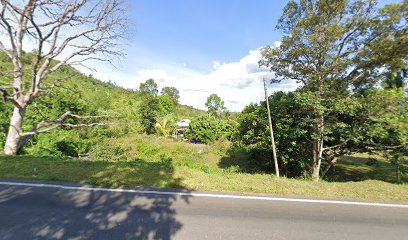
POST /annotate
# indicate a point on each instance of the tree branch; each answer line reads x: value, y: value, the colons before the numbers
x: 8, y: 97
x: 44, y: 127
x: 332, y: 147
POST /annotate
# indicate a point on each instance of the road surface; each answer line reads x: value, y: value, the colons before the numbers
x: 33, y: 210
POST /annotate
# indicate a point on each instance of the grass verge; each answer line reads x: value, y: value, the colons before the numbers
x: 164, y: 173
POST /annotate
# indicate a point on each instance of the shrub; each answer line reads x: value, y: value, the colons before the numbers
x: 208, y: 128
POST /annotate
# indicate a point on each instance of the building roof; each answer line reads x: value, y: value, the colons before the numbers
x: 183, y: 123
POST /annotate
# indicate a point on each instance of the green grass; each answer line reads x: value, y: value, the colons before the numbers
x: 99, y: 173
x: 165, y: 163
x: 359, y: 167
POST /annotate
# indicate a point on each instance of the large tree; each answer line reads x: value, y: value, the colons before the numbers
x: 335, y: 49
x: 171, y: 92
x: 215, y: 105
x: 59, y: 33
x: 149, y: 112
x: 149, y: 88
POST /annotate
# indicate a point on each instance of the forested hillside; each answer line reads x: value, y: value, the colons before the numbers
x: 84, y: 96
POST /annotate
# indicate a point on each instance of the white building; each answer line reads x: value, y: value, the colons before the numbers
x: 182, y: 125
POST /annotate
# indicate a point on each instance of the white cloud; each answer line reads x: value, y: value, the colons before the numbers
x: 237, y: 83
x: 277, y: 43
x: 216, y: 65
x: 157, y: 74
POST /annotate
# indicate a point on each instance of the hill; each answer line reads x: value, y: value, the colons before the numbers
x: 82, y: 95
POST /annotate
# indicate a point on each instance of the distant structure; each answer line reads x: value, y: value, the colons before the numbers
x: 182, y: 126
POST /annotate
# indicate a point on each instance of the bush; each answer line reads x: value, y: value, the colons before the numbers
x: 252, y: 134
x: 208, y: 128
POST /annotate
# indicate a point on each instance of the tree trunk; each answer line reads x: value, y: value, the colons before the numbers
x: 318, y: 150
x: 330, y: 166
x: 316, y: 160
x: 13, y: 138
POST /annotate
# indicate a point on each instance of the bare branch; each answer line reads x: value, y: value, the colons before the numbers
x: 55, y: 84
x: 6, y: 25
x: 332, y: 147
x: 4, y: 50
x: 69, y: 32
x: 67, y: 125
x: 65, y: 32
x: 43, y: 127
x: 90, y: 117
x: 8, y: 97
x: 5, y: 93
x: 385, y: 148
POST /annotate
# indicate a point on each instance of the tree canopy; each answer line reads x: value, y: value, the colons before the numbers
x: 336, y: 49
x: 215, y: 105
x: 172, y: 92
x: 149, y: 87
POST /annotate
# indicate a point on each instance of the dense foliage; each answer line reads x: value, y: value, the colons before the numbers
x: 291, y: 134
x: 164, y: 107
x: 375, y: 121
x: 336, y: 49
x: 207, y: 128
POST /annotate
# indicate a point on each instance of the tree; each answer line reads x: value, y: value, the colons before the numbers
x: 215, y: 105
x: 172, y: 92
x: 149, y: 111
x: 149, y: 87
x: 166, y: 126
x: 334, y: 46
x: 63, y: 33
x: 291, y: 134
x: 167, y: 105
x: 396, y: 79
x: 208, y: 128
x: 381, y: 123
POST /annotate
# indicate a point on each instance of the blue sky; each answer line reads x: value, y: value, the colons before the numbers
x: 200, y: 47
x: 199, y: 32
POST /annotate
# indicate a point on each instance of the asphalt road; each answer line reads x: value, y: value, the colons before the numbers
x: 41, y: 212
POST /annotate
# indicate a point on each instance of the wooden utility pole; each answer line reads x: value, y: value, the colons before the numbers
x: 275, y: 159
x: 398, y: 171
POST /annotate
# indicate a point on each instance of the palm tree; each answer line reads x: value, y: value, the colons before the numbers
x: 165, y: 127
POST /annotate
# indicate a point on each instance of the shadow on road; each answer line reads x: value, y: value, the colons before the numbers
x: 28, y: 213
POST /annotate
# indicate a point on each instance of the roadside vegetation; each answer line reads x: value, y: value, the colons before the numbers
x: 345, y: 126
x: 160, y: 162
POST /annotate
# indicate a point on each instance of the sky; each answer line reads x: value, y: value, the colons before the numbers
x: 200, y: 47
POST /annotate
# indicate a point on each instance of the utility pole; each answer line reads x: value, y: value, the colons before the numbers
x: 398, y: 170
x: 275, y: 159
